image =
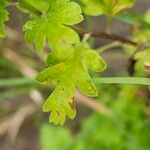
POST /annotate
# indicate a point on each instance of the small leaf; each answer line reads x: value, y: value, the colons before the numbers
x: 142, y: 58
x: 30, y: 31
x: 86, y: 85
x: 69, y: 74
x: 52, y: 25
x: 94, y: 61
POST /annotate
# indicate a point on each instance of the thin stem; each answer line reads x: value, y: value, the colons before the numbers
x: 30, y: 7
x: 104, y: 35
x: 16, y: 82
x: 108, y: 46
x: 123, y: 80
x: 24, y: 4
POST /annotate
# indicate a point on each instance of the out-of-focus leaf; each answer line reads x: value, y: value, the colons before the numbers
x: 55, y: 138
x: 110, y: 8
x: 143, y: 59
x: 133, y: 19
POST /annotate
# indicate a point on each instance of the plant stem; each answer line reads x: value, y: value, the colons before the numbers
x: 24, y: 4
x: 29, y: 7
x: 123, y: 80
x: 16, y: 82
x: 108, y: 46
x: 103, y: 35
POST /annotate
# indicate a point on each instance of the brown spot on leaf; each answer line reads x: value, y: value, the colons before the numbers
x: 61, y: 89
x: 57, y: 113
x: 72, y: 104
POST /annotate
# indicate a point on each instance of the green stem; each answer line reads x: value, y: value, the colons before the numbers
x: 29, y: 7
x: 24, y: 4
x: 123, y: 80
x: 108, y: 46
x: 16, y: 82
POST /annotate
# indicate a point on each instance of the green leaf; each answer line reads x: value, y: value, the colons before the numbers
x: 68, y: 75
x: 2, y: 3
x: 51, y: 74
x: 143, y: 62
x: 86, y: 85
x: 53, y: 59
x: 52, y: 27
x: 60, y: 102
x: 3, y: 18
x: 110, y: 8
x: 134, y: 19
x: 94, y: 61
x: 147, y: 16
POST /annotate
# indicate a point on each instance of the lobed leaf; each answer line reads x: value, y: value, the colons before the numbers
x: 52, y: 27
x: 68, y: 74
